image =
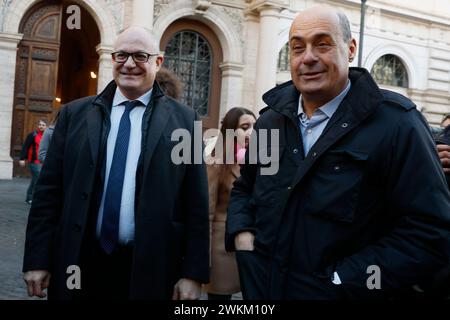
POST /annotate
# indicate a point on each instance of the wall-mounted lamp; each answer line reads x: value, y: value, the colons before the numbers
x: 93, y: 75
x: 58, y: 99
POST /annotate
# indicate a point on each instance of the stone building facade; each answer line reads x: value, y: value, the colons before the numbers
x: 227, y: 52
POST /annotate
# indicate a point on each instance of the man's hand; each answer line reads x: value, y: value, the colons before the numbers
x: 37, y: 281
x: 444, y: 155
x: 186, y: 289
x: 244, y: 241
x: 22, y: 163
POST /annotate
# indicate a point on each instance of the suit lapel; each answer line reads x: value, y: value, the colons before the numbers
x: 94, y: 127
x: 158, y: 121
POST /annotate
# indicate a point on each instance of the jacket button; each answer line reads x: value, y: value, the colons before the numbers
x: 84, y: 196
x: 337, y: 168
x: 91, y: 165
x: 289, y: 188
x: 314, y: 154
x: 295, y: 151
x: 77, y: 227
x: 344, y: 125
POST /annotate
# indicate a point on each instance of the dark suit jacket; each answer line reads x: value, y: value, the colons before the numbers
x: 171, y: 216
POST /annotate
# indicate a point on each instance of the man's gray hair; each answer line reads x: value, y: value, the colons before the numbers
x: 345, y: 26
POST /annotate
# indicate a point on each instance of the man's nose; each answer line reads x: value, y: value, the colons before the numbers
x: 309, y: 55
x: 129, y: 63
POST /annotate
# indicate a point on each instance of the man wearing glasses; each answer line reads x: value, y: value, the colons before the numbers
x: 110, y: 200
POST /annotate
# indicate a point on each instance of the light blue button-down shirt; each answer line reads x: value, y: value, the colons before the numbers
x: 312, y: 128
x: 126, y: 220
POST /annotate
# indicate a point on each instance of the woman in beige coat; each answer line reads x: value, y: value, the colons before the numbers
x: 224, y: 277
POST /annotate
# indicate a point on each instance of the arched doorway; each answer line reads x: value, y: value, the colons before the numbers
x: 54, y: 65
x: 193, y: 52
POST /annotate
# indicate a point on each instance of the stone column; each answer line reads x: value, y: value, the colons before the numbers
x: 8, y: 53
x: 104, y: 66
x: 231, y: 94
x: 266, y: 66
x: 142, y: 14
x: 251, y: 57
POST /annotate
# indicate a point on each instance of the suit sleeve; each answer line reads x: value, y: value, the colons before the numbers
x: 44, y: 144
x: 26, y: 146
x: 417, y: 245
x: 195, y: 201
x: 47, y: 204
x: 240, y: 215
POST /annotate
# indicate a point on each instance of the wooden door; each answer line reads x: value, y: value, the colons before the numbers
x: 36, y: 73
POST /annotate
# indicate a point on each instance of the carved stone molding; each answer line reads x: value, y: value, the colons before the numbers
x: 258, y: 5
x: 4, y: 8
x: 229, y: 68
x: 160, y: 5
x: 116, y: 8
x: 202, y: 5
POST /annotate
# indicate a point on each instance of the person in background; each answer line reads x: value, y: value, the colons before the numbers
x: 169, y: 83
x: 46, y: 138
x: 442, y: 140
x: 30, y: 152
x: 224, y: 277
x: 445, y: 121
x: 441, y: 137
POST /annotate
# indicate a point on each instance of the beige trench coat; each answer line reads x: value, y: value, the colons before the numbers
x: 224, y: 277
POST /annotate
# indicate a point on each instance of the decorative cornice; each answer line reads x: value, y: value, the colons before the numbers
x: 9, y: 41
x: 201, y: 6
x: 229, y: 68
x: 102, y: 49
x: 260, y: 5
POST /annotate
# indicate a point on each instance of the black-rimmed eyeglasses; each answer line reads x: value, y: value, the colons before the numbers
x: 138, y: 57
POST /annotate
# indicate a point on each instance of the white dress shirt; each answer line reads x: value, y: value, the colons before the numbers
x: 126, y: 220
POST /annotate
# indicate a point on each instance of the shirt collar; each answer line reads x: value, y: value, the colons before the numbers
x: 119, y: 98
x: 331, y: 106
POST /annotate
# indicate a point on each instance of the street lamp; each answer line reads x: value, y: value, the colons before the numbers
x: 361, y: 31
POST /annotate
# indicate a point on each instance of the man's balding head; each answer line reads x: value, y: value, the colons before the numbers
x: 321, y: 48
x: 138, y: 34
x: 336, y: 15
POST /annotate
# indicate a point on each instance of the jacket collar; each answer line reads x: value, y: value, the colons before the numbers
x: 363, y: 98
x: 105, y: 98
x: 102, y: 109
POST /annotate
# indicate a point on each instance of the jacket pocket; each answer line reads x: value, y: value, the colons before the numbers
x: 333, y: 186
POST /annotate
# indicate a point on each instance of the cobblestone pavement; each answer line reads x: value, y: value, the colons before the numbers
x: 13, y: 219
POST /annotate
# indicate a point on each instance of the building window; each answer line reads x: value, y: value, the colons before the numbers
x: 284, y: 59
x: 188, y: 55
x: 390, y: 70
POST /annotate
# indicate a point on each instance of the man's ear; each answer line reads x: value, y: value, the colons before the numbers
x: 159, y: 61
x: 351, y: 50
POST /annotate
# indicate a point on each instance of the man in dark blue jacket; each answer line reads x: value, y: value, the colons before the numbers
x: 359, y: 207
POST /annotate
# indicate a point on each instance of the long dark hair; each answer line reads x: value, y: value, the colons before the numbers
x: 231, y: 121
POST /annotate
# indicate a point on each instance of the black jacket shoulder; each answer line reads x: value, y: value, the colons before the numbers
x: 81, y: 104
x: 398, y: 100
